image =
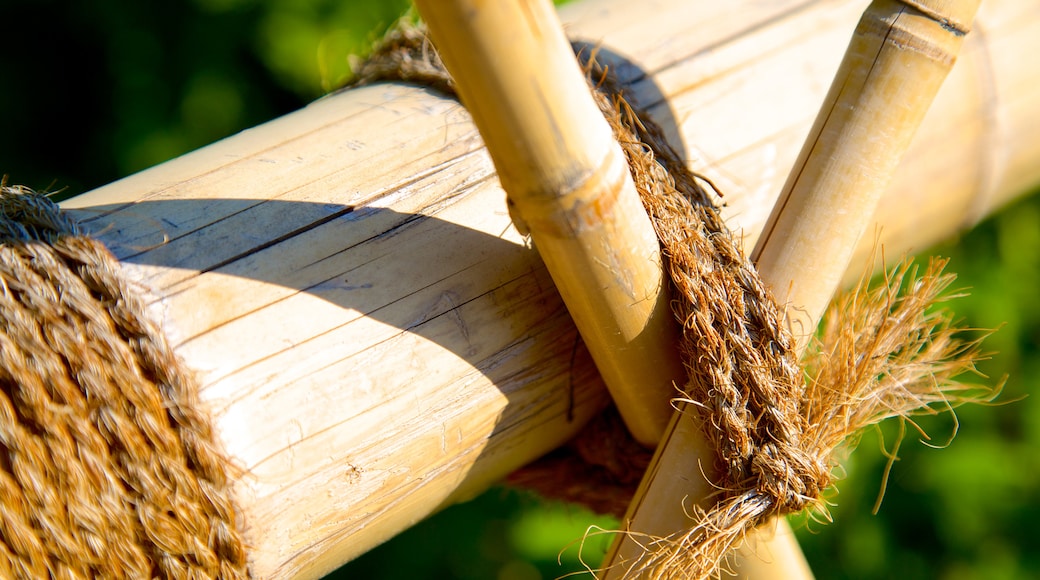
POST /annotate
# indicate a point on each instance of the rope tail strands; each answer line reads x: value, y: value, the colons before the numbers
x: 108, y: 466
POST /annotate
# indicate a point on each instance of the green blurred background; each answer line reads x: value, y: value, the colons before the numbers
x: 93, y: 91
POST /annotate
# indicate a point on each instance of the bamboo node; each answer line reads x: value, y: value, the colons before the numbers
x: 951, y: 16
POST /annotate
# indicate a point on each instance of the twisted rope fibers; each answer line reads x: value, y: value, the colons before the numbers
x: 735, y: 336
x: 108, y: 465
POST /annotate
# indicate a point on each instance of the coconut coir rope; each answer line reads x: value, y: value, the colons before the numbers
x: 883, y: 354
x: 108, y: 465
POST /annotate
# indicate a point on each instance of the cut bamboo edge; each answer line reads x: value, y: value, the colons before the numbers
x: 375, y: 340
x: 896, y: 61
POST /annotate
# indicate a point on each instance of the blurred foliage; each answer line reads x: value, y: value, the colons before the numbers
x: 964, y: 511
x: 98, y: 90
x: 94, y: 91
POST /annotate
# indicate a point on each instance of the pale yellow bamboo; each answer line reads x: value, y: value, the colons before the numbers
x: 373, y: 337
x: 568, y: 180
x: 899, y: 55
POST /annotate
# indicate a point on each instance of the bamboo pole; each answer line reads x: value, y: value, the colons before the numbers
x: 899, y: 56
x: 373, y: 337
x: 558, y: 163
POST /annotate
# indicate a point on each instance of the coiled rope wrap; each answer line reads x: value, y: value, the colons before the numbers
x: 108, y: 466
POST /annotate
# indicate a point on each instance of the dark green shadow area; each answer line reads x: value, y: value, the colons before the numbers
x: 504, y: 534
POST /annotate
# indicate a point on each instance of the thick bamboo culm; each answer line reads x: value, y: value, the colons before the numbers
x: 374, y: 338
x: 896, y: 61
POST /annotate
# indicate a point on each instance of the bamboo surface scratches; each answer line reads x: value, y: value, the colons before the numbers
x: 315, y: 316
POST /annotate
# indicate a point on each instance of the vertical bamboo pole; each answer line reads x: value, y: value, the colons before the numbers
x: 898, y: 58
x: 569, y: 182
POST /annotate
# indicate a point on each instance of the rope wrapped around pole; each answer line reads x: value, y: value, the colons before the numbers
x: 108, y: 464
x: 109, y: 467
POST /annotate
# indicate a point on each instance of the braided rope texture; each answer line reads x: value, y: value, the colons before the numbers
x: 777, y: 424
x: 108, y: 465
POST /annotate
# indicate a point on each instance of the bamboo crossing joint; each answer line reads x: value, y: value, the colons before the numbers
x: 894, y: 65
x: 568, y: 180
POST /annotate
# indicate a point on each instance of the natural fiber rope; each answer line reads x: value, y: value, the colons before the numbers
x: 744, y: 381
x: 739, y: 353
x: 884, y: 354
x: 108, y: 465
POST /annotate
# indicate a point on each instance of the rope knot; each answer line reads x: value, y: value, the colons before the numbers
x: 792, y: 478
x: 775, y: 433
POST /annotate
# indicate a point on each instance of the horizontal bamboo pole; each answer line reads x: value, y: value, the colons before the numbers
x: 375, y: 339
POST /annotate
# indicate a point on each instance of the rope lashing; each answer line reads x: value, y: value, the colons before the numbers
x: 882, y: 354
x: 109, y: 466
x: 736, y: 338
